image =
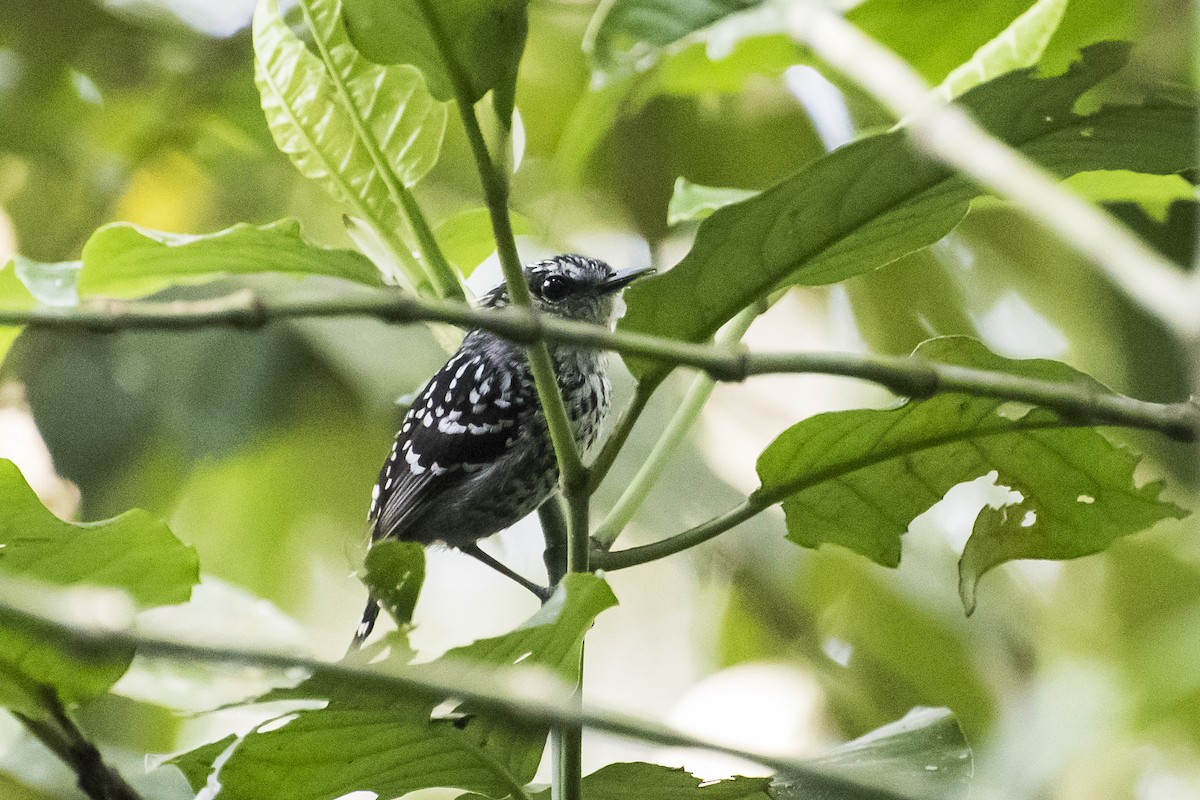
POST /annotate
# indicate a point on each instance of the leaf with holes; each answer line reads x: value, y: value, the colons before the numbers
x: 871, y: 202
x: 390, y: 744
x: 859, y: 478
x: 134, y: 553
x: 345, y: 123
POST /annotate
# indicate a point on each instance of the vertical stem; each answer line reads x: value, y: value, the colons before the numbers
x: 554, y: 531
x: 566, y: 752
x: 567, y: 740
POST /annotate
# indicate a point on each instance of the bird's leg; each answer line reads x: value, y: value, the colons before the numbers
x: 541, y: 592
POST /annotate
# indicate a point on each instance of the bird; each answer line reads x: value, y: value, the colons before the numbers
x: 473, y: 454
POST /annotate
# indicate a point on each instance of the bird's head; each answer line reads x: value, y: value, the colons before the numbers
x: 572, y: 286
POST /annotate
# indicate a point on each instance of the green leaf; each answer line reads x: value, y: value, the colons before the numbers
x: 477, y: 42
x: 859, y: 478
x: 467, y: 239
x: 628, y: 35
x: 134, y: 553
x: 390, y: 745
x: 1018, y: 46
x: 395, y: 573
x: 691, y: 202
x: 639, y: 781
x: 876, y: 199
x: 922, y: 757
x: 327, y: 116
x: 196, y: 765
x: 124, y: 260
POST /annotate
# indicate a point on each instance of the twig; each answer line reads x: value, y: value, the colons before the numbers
x: 62, y: 736
x: 1082, y: 402
x: 949, y: 134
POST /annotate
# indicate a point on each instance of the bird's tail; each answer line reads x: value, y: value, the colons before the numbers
x: 370, y: 614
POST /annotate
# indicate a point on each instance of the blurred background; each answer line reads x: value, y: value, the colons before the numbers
x: 1071, y: 680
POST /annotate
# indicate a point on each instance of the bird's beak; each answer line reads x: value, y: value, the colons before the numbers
x: 625, y: 277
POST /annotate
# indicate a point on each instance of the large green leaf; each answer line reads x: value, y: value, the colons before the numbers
x: 912, y: 30
x: 134, y: 553
x: 875, y: 200
x: 923, y: 756
x: 477, y: 42
x: 328, y: 113
x: 125, y: 260
x: 859, y: 478
x: 390, y: 745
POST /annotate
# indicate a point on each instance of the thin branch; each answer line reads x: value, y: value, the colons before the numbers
x: 644, y: 554
x: 62, y: 736
x: 1082, y: 403
x: 522, y: 693
x: 949, y: 134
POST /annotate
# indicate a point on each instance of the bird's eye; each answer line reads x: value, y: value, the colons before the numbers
x: 555, y: 288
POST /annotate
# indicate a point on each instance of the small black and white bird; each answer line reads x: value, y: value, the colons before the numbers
x: 473, y: 455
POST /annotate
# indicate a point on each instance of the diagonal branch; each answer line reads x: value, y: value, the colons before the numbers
x: 522, y: 693
x: 58, y: 732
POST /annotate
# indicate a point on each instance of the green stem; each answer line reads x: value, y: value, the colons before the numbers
x: 437, y: 268
x: 1079, y: 403
x: 554, y: 531
x: 636, y: 556
x: 685, y: 417
x: 518, y: 692
x: 572, y: 474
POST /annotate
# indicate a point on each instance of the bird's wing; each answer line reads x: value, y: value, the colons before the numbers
x: 465, y: 418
